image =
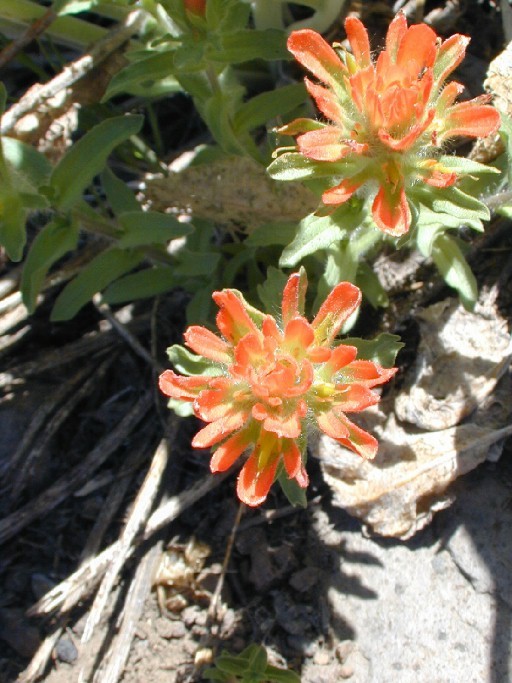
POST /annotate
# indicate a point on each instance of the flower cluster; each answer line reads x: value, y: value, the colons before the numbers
x: 388, y: 118
x: 272, y: 380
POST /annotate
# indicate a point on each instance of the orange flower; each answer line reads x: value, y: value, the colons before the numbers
x: 388, y: 118
x: 272, y: 380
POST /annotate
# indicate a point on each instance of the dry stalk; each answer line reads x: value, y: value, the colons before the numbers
x: 138, y: 593
x: 125, y: 333
x: 72, y: 480
x: 83, y: 581
x: 74, y: 72
x: 134, y: 525
x: 70, y: 394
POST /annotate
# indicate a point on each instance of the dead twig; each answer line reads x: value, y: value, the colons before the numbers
x: 74, y: 72
x: 137, y: 519
x: 31, y: 33
x: 70, y: 394
x: 112, y: 503
x: 80, y: 584
x: 125, y: 333
x: 64, y: 486
x: 138, y: 593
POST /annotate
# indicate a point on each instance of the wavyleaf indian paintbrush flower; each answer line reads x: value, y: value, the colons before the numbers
x: 273, y: 379
x: 387, y: 119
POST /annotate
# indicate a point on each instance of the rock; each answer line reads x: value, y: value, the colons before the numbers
x: 397, y: 493
x: 434, y: 608
x: 460, y: 358
x: 66, y: 651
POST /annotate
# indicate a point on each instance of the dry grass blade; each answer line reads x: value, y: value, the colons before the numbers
x: 83, y: 347
x: 112, y: 503
x: 137, y: 519
x: 80, y: 584
x: 65, y: 486
x: 137, y: 595
x: 125, y: 333
x: 71, y: 393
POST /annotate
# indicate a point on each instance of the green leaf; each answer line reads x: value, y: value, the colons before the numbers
x: 142, y: 285
x: 319, y: 232
x: 506, y: 136
x: 457, y: 203
x: 270, y: 234
x: 12, y: 225
x: 226, y: 15
x: 271, y: 291
x: 295, y: 166
x: 370, y: 285
x: 268, y: 105
x: 98, y: 274
x: 383, y: 349
x: 119, y: 195
x: 276, y: 675
x: 248, y: 44
x: 144, y: 75
x: 32, y: 167
x: 258, y: 660
x: 87, y: 157
x: 150, y: 227
x: 200, y: 306
x: 465, y: 166
x: 3, y: 98
x: 215, y: 675
x: 181, y: 408
x: 54, y: 241
x: 455, y: 270
x: 196, y: 263
x: 231, y: 664
x: 295, y: 494
x: 188, y: 363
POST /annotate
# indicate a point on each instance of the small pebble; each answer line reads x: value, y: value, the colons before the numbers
x: 346, y: 671
x: 322, y: 658
x: 66, y: 651
x: 344, y: 650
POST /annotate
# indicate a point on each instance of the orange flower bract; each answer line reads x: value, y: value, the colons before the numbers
x: 273, y: 380
x: 387, y: 118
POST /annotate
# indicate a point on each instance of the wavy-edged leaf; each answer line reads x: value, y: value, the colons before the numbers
x: 55, y: 240
x: 455, y: 270
x: 271, y: 291
x: 319, y: 232
x: 383, y: 349
x: 87, y: 157
x: 142, y: 285
x: 150, y: 227
x: 98, y: 274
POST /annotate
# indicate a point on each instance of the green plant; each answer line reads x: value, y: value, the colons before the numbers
x: 250, y: 666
